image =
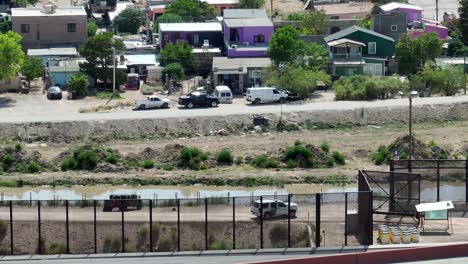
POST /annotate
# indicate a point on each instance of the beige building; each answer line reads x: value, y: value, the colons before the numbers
x: 50, y: 26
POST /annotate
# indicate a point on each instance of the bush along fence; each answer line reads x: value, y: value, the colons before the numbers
x: 215, y: 223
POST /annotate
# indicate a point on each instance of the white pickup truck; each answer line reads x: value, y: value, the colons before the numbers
x: 151, y: 102
x: 273, y: 208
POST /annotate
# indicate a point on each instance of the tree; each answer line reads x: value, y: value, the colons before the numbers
x: 78, y: 86
x: 166, y: 18
x: 286, y: 47
x: 295, y: 17
x: 191, y: 10
x: 92, y: 29
x: 98, y: 53
x: 251, y: 3
x: 33, y: 68
x: 174, y: 71
x: 294, y: 78
x: 412, y: 54
x: 434, y: 80
x: 456, y: 47
x: 130, y: 20
x: 181, y: 52
x: 12, y: 56
x: 315, y: 23
x: 463, y: 11
x: 5, y: 26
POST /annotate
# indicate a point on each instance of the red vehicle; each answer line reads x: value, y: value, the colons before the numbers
x: 133, y: 81
x: 122, y: 202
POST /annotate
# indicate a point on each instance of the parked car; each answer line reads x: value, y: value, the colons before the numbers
x: 273, y: 208
x: 151, y: 102
x: 223, y: 93
x: 198, y: 99
x: 123, y: 202
x: 54, y: 92
x: 265, y: 95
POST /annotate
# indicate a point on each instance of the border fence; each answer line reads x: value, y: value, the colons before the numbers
x: 86, y: 227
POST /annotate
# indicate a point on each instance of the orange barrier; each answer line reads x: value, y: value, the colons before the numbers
x: 384, y: 256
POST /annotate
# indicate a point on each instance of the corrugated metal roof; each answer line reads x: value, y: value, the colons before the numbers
x: 190, y: 27
x: 53, y: 52
x: 340, y: 42
x: 343, y: 33
x: 345, y: 8
x: 394, y: 5
x: 227, y: 64
x: 59, y: 11
x: 257, y: 22
x: 245, y: 13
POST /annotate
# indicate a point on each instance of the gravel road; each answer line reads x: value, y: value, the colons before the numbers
x: 16, y: 108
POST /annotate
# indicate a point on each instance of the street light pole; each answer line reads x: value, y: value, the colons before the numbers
x: 113, y: 71
x: 410, y: 155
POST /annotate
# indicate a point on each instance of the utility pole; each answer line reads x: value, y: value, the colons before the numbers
x: 437, y: 11
x: 464, y: 71
x: 113, y: 71
x: 147, y: 23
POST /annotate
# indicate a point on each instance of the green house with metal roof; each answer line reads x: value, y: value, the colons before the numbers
x: 357, y: 50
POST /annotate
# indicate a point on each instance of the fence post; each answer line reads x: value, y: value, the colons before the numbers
x: 233, y: 222
x: 67, y: 227
x: 438, y: 180
x: 178, y: 225
x: 151, y: 225
x: 95, y: 229
x: 391, y: 204
x: 317, y: 219
x: 346, y: 220
x: 39, y: 248
x: 261, y: 221
x: 122, y: 210
x: 11, y: 228
x: 289, y: 220
x: 206, y: 223
x: 371, y: 218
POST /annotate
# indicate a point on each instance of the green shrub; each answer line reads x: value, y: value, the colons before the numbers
x: 225, y: 156
x: 112, y: 158
x: 291, y: 164
x: 325, y: 147
x: 239, y: 160
x: 219, y: 245
x: 443, y: 156
x: 168, y: 167
x: 87, y: 160
x: 360, y: 87
x: 381, y: 156
x: 279, y: 235
x: 8, y: 160
x: 339, y: 158
x: 403, y: 156
x: 262, y: 161
x: 112, y: 244
x: 68, y: 164
x: 148, y: 164
x: 33, y: 167
x: 330, y: 163
x: 18, y: 147
x: 142, y: 236
x: 57, y: 248
x: 192, y: 158
x: 203, y: 156
x: 303, y: 156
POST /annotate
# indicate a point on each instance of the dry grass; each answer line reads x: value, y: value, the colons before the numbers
x: 107, y: 107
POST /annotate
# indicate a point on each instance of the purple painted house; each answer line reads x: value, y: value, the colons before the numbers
x: 247, y: 32
x: 414, y: 17
x: 413, y: 12
x: 198, y: 35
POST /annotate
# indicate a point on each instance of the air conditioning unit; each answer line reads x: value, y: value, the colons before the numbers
x: 246, y: 43
x: 49, y: 9
x: 234, y: 46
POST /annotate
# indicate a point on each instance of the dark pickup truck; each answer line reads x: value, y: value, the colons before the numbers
x: 198, y: 99
x: 123, y: 202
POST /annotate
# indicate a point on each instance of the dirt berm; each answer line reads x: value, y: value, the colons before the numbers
x: 71, y: 131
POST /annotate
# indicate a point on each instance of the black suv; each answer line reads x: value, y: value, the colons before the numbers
x: 123, y: 202
x: 198, y: 99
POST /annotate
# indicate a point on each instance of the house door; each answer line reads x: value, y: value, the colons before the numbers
x: 196, y: 40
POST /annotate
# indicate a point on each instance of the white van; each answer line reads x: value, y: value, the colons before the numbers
x: 223, y: 93
x: 265, y: 95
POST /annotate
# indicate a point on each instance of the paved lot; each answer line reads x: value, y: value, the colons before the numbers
x: 429, y: 7
x: 35, y: 108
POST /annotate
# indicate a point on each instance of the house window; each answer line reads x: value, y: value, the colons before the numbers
x: 372, y: 48
x: 71, y: 27
x: 24, y: 28
x: 255, y: 76
x: 394, y: 27
x: 341, y: 50
x: 259, y: 38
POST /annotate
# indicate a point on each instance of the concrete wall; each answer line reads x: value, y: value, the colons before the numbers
x: 382, y: 23
x: 411, y: 14
x: 215, y: 38
x: 48, y: 31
